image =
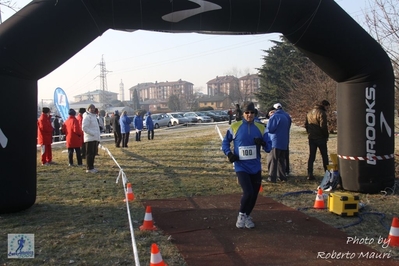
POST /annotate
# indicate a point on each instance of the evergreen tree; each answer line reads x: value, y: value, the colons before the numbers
x: 281, y: 64
x: 136, y: 100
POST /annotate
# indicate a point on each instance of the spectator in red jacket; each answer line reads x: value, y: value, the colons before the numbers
x: 74, y: 135
x: 45, y: 136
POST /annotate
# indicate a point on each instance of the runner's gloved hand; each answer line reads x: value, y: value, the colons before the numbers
x: 259, y: 141
x: 232, y: 157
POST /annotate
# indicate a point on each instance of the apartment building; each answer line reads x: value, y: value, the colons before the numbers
x: 161, y: 91
x: 238, y: 90
x: 98, y: 96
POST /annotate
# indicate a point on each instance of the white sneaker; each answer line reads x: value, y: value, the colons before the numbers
x: 248, y: 222
x: 242, y: 217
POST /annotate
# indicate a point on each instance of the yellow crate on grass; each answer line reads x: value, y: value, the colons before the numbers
x: 333, y: 167
x: 334, y: 158
x: 343, y: 204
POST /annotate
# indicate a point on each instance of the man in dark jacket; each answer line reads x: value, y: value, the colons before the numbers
x: 317, y: 129
x: 238, y: 113
x: 116, y: 128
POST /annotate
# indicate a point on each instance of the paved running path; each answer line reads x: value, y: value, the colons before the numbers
x: 203, y: 229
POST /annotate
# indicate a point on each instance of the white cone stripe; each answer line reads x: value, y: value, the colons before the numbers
x: 156, y: 258
x: 394, y: 231
x: 147, y: 216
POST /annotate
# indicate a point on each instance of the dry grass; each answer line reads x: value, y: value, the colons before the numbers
x: 81, y: 219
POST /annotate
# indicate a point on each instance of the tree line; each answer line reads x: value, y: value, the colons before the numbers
x: 289, y: 77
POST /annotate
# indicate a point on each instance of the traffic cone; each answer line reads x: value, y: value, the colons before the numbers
x: 156, y: 258
x: 393, y: 237
x: 148, y: 223
x: 261, y: 188
x: 319, y: 202
x: 129, y: 193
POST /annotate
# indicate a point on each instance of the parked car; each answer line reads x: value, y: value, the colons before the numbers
x: 213, y: 116
x: 161, y: 120
x: 191, y: 119
x: 200, y: 118
x: 177, y: 118
x: 223, y: 114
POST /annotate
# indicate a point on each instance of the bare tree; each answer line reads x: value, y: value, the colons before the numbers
x: 383, y: 23
x: 8, y: 4
x: 310, y: 87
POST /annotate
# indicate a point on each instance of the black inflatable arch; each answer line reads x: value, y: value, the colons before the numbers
x: 46, y: 33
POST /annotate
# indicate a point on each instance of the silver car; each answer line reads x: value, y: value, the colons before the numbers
x: 161, y: 120
x: 178, y: 119
x: 200, y: 118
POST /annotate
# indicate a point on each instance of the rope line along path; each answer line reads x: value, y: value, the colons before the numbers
x: 122, y: 176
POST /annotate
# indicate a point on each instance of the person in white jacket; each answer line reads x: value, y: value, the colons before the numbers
x: 91, y: 137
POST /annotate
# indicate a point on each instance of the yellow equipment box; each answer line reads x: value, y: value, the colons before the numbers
x: 343, y: 204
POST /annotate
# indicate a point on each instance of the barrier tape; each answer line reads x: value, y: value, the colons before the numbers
x: 359, y: 158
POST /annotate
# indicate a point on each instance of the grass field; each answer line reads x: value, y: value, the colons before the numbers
x: 80, y: 218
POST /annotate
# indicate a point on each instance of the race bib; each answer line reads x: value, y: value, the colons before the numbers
x: 247, y: 152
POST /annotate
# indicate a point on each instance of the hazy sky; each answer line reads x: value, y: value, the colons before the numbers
x: 143, y: 56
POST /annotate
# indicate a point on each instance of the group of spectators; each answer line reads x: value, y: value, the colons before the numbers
x: 121, y: 127
x: 249, y: 137
x: 82, y: 133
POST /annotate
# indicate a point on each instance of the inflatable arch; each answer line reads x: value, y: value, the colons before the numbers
x: 46, y: 33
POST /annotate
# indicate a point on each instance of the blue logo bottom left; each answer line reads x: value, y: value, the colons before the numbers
x: 21, y: 246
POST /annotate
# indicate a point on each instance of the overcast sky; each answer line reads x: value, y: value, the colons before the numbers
x: 143, y: 56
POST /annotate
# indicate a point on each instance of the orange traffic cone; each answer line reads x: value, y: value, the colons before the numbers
x: 393, y: 237
x: 156, y: 258
x: 319, y: 202
x: 261, y: 188
x: 148, y: 223
x: 129, y: 193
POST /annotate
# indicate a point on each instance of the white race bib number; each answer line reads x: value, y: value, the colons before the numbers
x: 247, y: 152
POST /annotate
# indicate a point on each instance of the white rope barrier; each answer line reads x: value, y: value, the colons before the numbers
x: 218, y: 130
x: 122, y: 176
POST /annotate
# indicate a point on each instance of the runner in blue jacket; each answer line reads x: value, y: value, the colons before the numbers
x: 248, y: 138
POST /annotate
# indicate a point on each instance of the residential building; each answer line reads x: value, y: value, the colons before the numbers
x: 158, y: 93
x: 217, y: 102
x: 99, y: 96
x: 249, y: 85
x: 223, y: 85
x: 238, y: 90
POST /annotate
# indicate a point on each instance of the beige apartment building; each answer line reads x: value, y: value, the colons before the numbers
x: 223, y: 92
x: 98, y: 96
x: 238, y: 90
x: 161, y: 91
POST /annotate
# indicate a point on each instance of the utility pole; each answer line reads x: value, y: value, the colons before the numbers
x: 103, y: 80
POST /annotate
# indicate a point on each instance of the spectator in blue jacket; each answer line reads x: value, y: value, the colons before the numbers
x: 278, y: 128
x: 125, y: 128
x: 150, y: 126
x: 287, y: 154
x: 248, y: 138
x: 138, y: 125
